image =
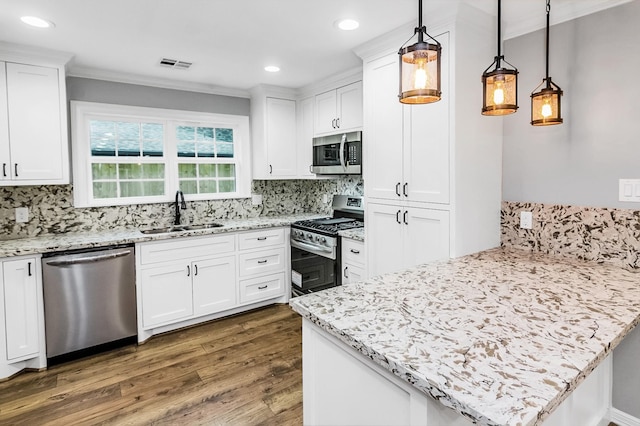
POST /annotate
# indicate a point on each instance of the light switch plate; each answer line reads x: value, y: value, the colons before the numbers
x: 629, y: 190
x: 526, y: 220
x: 22, y: 214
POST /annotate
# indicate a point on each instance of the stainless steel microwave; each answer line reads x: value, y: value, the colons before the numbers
x: 338, y: 154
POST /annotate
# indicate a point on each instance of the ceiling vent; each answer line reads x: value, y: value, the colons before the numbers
x: 175, y: 64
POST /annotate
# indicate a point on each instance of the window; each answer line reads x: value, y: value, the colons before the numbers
x: 132, y: 155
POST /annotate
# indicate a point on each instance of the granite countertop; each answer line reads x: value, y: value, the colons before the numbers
x: 354, y: 234
x: 71, y: 241
x: 502, y: 335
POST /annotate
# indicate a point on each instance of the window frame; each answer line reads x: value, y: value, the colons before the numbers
x: 81, y: 114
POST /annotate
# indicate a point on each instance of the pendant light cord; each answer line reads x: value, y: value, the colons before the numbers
x: 499, y: 32
x: 548, y: 10
x: 420, y: 28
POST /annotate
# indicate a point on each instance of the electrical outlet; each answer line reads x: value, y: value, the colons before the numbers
x: 325, y: 198
x: 526, y: 220
x: 22, y: 214
x: 256, y: 199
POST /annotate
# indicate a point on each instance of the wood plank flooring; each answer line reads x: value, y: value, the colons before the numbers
x: 243, y: 370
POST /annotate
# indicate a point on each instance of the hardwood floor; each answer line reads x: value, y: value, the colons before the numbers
x: 243, y: 370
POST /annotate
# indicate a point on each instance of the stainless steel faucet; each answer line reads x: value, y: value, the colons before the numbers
x: 180, y: 204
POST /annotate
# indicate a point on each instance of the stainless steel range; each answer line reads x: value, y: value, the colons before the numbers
x: 315, y: 246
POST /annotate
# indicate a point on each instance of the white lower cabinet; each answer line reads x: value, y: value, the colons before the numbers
x: 353, y: 261
x: 193, y: 279
x: 399, y: 237
x: 214, y: 285
x: 21, y: 320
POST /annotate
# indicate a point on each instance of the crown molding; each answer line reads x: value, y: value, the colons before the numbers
x: 128, y: 78
x: 563, y: 12
x: 13, y: 52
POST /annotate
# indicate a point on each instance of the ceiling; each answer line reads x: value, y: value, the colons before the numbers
x: 230, y: 42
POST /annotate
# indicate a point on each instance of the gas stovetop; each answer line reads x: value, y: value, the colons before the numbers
x: 329, y: 225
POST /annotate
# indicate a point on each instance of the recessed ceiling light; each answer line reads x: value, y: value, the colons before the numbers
x: 271, y: 68
x: 348, y: 24
x: 34, y: 21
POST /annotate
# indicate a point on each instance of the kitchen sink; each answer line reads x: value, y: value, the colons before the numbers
x: 180, y: 228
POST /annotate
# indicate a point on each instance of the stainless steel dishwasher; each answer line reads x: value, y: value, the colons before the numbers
x: 89, y: 301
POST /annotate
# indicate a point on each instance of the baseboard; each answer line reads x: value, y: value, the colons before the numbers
x: 623, y: 419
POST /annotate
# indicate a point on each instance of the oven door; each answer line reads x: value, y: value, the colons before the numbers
x: 312, y: 272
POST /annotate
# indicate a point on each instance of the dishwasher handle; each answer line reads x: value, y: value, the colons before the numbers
x: 88, y: 259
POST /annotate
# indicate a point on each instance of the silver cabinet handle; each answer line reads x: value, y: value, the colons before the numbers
x: 404, y: 189
x: 88, y: 259
x: 263, y: 261
x: 263, y: 287
x: 404, y: 217
x: 398, y: 216
x: 346, y: 268
x: 398, y: 189
x: 354, y: 251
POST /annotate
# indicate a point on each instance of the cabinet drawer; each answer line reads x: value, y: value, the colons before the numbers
x: 264, y: 238
x: 352, y: 274
x: 186, y: 248
x: 262, y: 288
x: 262, y: 262
x: 353, y: 252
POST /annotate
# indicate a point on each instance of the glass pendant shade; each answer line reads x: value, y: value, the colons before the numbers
x: 500, y: 91
x: 546, y: 105
x: 420, y: 73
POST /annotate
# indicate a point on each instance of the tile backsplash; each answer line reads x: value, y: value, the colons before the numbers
x: 599, y: 234
x: 51, y: 207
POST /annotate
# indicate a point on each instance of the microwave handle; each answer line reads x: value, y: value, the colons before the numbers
x: 343, y: 160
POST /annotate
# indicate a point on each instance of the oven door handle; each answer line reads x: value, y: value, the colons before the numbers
x: 320, y: 251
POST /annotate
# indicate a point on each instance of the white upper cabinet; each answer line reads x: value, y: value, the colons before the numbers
x: 33, y: 125
x: 281, y: 137
x: 407, y: 145
x: 304, y: 110
x: 339, y: 110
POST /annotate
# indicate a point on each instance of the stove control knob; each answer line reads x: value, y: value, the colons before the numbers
x: 323, y: 240
x: 309, y: 236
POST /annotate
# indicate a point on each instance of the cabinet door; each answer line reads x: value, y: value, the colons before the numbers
x: 5, y: 161
x: 426, y: 236
x: 349, y: 106
x: 166, y: 293
x: 426, y: 144
x: 34, y: 123
x: 352, y: 274
x: 383, y: 121
x: 21, y: 308
x: 214, y: 285
x: 305, y: 110
x: 325, y: 113
x: 281, y: 137
x: 384, y: 241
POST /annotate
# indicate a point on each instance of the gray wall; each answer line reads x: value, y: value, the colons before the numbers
x: 85, y: 89
x: 595, y: 60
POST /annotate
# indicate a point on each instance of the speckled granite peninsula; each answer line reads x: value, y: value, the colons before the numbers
x: 502, y: 336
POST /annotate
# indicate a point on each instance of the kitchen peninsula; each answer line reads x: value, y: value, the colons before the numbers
x: 503, y: 337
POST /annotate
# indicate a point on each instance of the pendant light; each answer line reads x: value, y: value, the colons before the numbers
x: 420, y: 68
x: 546, y: 103
x: 500, y: 85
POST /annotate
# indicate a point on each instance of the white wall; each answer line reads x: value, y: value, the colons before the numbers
x: 596, y: 61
